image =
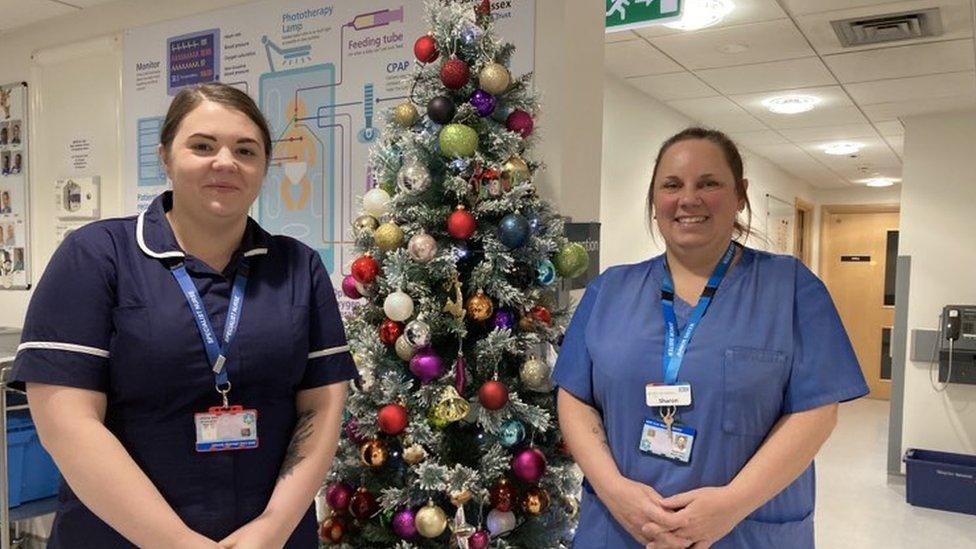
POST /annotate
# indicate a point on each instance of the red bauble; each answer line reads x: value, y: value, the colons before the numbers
x: 493, y: 395
x: 528, y: 465
x: 520, y: 122
x: 392, y: 419
x: 337, y: 495
x: 390, y: 330
x: 484, y: 8
x: 332, y: 530
x: 541, y: 314
x: 461, y: 223
x: 455, y: 74
x: 425, y: 48
x: 365, y: 269
x: 503, y: 495
x: 363, y: 504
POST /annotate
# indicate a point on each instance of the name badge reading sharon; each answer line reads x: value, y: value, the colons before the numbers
x: 224, y: 429
x: 678, y: 394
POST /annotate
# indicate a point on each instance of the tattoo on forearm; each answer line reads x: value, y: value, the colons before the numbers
x: 303, y: 430
x: 597, y: 429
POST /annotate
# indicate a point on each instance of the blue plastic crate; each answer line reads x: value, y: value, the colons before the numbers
x: 31, y: 473
x: 941, y: 480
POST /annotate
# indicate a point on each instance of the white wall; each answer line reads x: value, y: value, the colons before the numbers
x: 938, y: 193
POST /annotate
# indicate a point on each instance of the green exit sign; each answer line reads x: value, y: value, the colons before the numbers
x: 633, y: 14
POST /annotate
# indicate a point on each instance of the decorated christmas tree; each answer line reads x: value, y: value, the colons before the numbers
x: 451, y: 438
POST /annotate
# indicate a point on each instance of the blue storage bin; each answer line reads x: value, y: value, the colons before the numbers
x: 941, y: 480
x: 31, y: 473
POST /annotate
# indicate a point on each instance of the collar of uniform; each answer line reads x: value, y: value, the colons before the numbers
x: 156, y: 238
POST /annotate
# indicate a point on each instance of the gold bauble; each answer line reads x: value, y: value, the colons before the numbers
x: 430, y: 521
x: 373, y: 453
x: 527, y: 323
x: 460, y: 497
x: 479, y: 306
x: 494, y: 78
x: 534, y: 374
x: 451, y: 407
x: 535, y: 501
x: 365, y: 224
x: 388, y: 237
x: 406, y: 114
x: 414, y: 454
x: 514, y: 171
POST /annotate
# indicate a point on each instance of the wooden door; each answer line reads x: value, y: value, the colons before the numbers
x: 854, y: 248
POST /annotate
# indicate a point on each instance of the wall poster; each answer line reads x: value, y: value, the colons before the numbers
x: 14, y: 184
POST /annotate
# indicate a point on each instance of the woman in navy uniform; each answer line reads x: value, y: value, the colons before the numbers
x: 187, y: 370
x: 693, y: 429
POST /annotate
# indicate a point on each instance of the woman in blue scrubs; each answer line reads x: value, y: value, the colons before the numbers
x: 187, y: 370
x: 695, y: 388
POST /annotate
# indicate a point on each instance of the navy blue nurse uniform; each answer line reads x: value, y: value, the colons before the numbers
x: 770, y: 344
x: 109, y: 316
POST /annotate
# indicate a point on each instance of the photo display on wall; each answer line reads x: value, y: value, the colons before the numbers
x: 14, y: 183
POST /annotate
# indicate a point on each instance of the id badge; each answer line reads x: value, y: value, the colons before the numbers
x: 674, y: 444
x: 222, y: 429
x: 678, y: 394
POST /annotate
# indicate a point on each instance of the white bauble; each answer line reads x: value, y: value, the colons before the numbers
x: 398, y: 306
x: 500, y: 522
x: 376, y: 202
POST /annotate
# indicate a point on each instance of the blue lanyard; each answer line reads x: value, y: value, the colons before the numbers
x: 676, y: 344
x: 217, y: 355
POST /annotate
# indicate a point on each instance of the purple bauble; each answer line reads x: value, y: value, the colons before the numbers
x: 403, y: 524
x: 349, y: 287
x: 529, y: 465
x: 352, y: 432
x: 426, y: 365
x: 504, y: 318
x: 479, y: 540
x: 483, y: 102
x: 337, y: 495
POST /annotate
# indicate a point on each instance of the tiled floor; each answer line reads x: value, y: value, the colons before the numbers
x: 859, y: 507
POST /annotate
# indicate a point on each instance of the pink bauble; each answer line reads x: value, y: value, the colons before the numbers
x: 520, y: 122
x: 352, y: 432
x: 337, y: 495
x: 529, y: 465
x: 403, y: 524
x: 349, y: 287
x: 479, y: 540
x: 426, y: 365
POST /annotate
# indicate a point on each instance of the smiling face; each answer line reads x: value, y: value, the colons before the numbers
x: 695, y: 195
x: 216, y: 162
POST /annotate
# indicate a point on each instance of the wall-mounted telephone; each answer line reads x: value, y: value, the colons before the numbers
x: 957, y: 364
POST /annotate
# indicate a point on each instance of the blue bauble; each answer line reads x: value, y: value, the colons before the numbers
x: 514, y: 231
x: 536, y: 224
x: 504, y: 318
x: 501, y: 113
x: 459, y: 164
x: 511, y: 433
x: 546, y: 272
x: 470, y: 35
x: 460, y: 250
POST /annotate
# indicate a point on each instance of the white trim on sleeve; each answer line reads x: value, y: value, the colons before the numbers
x: 57, y: 346
x: 328, y: 352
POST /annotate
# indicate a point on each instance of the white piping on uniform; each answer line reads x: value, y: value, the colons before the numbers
x: 255, y: 251
x: 55, y: 346
x: 328, y: 352
x: 145, y: 249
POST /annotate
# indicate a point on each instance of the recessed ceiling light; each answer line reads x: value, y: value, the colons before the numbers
x: 699, y: 14
x: 842, y: 148
x: 791, y: 104
x: 732, y: 48
x: 879, y: 181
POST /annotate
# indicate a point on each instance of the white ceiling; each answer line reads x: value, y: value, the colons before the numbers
x: 20, y: 13
x: 790, y: 46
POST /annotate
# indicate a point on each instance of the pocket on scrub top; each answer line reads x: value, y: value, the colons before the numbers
x: 754, y: 380
x: 796, y: 534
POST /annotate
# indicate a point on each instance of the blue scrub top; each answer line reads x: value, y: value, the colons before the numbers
x: 108, y: 316
x: 770, y: 344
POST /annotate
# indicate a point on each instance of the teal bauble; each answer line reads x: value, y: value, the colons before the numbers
x: 572, y: 260
x: 511, y: 433
x: 458, y: 140
x: 546, y: 272
x: 514, y: 231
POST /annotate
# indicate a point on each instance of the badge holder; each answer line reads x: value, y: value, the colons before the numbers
x: 667, y: 438
x: 224, y: 428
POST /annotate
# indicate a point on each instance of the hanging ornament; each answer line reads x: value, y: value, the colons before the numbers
x: 572, y: 506
x: 414, y: 454
x: 337, y: 495
x: 493, y: 395
x: 534, y: 374
x: 460, y: 497
x: 501, y: 113
x: 373, y: 453
x: 388, y: 237
x: 536, y: 224
x: 363, y: 289
x: 458, y: 140
x: 398, y: 306
x: 392, y: 419
x: 403, y: 524
x: 451, y: 407
x: 422, y: 247
x: 459, y: 165
x: 405, y: 114
x: 504, y: 319
x: 483, y: 9
x: 515, y: 171
x: 455, y: 305
x: 503, y: 495
x: 460, y: 529
x: 426, y: 365
x: 460, y: 368
x: 425, y: 49
x: 418, y: 333
x: 363, y: 504
x: 365, y: 224
x: 494, y: 78
x: 333, y: 529
x: 528, y: 465
x: 479, y: 306
x: 541, y: 314
x: 511, y: 433
x: 479, y: 540
x: 471, y: 34
x: 390, y: 330
x: 365, y: 269
x: 520, y: 122
x: 513, y: 230
x: 376, y: 202
x: 455, y: 74
x: 403, y: 348
x: 461, y: 224
x: 349, y: 287
x: 460, y: 251
x: 413, y: 177
x: 431, y: 520
x: 441, y: 109
x: 483, y: 102
x: 351, y: 430
x: 535, y: 501
x: 434, y: 420
x: 546, y: 272
x: 572, y: 260
x: 500, y: 522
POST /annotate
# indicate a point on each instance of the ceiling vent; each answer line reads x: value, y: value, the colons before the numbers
x: 893, y: 27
